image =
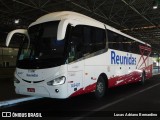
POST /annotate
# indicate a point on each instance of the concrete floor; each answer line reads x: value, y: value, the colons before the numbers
x: 133, y: 98
x: 7, y: 91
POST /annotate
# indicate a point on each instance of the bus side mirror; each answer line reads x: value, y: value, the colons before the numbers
x: 10, y: 34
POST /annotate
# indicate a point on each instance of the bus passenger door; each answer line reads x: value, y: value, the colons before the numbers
x: 75, y: 61
x: 75, y: 77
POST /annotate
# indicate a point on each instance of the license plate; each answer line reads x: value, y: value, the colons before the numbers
x: 31, y: 89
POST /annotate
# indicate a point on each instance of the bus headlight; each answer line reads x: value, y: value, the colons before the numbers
x: 16, y: 80
x: 57, y: 81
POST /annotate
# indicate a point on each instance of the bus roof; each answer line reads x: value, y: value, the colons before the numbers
x: 81, y: 18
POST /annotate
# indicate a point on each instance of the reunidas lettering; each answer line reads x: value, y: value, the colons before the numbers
x: 32, y: 75
x: 119, y: 59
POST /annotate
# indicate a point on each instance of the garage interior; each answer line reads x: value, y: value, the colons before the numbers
x: 137, y: 18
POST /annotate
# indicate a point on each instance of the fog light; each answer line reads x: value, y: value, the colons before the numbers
x: 56, y: 90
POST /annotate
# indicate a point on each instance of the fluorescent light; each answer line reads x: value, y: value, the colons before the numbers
x: 155, y: 4
x: 16, y: 21
x: 155, y: 7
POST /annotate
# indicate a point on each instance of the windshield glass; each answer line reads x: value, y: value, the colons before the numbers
x: 43, y: 50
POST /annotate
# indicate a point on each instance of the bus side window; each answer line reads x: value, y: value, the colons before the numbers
x: 135, y: 47
x: 121, y: 43
x: 87, y: 44
x: 111, y: 42
x: 98, y: 39
x: 127, y: 44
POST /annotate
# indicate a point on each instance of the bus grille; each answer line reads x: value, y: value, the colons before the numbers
x: 33, y: 81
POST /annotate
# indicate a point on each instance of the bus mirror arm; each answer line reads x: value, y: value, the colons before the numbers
x: 62, y: 29
x: 10, y: 35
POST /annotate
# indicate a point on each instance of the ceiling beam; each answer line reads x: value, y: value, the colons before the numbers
x: 104, y: 17
x: 135, y: 10
x: 31, y: 6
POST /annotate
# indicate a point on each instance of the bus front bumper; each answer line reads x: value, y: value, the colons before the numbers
x: 41, y: 91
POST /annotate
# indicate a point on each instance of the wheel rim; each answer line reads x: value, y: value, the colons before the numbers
x: 100, y: 87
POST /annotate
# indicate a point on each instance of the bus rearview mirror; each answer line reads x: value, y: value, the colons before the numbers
x: 62, y: 29
x: 10, y: 35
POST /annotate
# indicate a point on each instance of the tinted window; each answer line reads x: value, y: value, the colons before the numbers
x: 122, y: 43
x: 87, y: 46
x: 113, y: 40
x: 99, y: 39
x: 43, y: 50
x: 127, y: 44
x: 85, y: 40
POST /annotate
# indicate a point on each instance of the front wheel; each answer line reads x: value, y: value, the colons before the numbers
x: 100, y: 88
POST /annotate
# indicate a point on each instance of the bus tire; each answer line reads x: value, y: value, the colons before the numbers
x: 100, y: 88
x: 143, y: 78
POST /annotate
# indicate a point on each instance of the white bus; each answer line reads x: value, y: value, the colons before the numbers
x: 67, y: 54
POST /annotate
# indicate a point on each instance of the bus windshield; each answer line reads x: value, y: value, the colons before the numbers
x: 43, y: 50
